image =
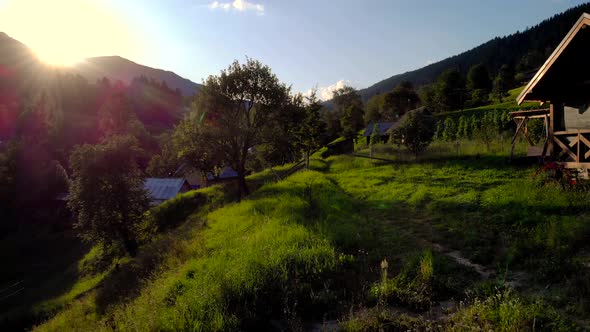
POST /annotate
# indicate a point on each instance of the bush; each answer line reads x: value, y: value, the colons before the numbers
x: 417, y: 130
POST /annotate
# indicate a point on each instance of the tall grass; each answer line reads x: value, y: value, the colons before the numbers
x: 249, y: 263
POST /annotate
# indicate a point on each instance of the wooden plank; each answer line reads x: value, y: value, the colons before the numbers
x: 575, y: 165
x: 582, y: 21
x: 571, y: 132
x: 517, y: 130
x: 550, y: 129
x: 564, y: 148
x: 578, y: 154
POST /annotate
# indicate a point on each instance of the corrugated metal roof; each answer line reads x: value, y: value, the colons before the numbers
x: 226, y: 173
x: 163, y: 188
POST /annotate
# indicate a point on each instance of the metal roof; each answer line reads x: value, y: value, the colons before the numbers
x: 226, y: 173
x: 163, y: 188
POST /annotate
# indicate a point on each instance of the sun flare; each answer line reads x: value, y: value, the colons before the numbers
x: 64, y: 32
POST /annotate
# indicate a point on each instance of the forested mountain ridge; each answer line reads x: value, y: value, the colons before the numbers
x: 118, y: 68
x: 523, y: 51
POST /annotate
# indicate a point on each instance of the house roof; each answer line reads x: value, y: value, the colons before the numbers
x: 561, y: 65
x: 226, y: 173
x: 382, y: 128
x: 163, y: 188
x: 403, y: 118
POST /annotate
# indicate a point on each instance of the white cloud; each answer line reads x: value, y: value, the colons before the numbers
x: 239, y: 5
x: 325, y: 92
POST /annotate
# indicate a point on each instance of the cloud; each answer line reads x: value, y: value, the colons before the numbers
x: 325, y: 92
x: 238, y: 5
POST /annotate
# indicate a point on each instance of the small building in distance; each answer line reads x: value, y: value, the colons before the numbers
x: 382, y: 130
x: 163, y: 189
x: 196, y: 179
x: 564, y: 83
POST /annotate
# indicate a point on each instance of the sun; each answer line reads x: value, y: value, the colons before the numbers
x: 64, y: 32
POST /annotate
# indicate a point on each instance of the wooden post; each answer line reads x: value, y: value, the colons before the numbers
x: 579, y: 143
x: 550, y: 130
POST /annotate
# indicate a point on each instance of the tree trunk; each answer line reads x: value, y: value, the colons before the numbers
x: 307, y: 159
x: 243, y: 186
x: 129, y: 243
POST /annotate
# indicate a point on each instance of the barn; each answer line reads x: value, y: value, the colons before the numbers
x: 563, y: 83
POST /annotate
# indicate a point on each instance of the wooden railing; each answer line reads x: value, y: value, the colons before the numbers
x: 575, y: 146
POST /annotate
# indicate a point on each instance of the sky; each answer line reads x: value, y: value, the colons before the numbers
x: 307, y: 43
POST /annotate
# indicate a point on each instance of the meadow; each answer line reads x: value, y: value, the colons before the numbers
x: 450, y: 241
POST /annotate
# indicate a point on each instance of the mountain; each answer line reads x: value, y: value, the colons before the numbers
x: 522, y: 50
x: 118, y: 68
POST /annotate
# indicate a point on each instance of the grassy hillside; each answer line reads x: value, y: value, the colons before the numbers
x: 442, y: 243
x: 508, y: 104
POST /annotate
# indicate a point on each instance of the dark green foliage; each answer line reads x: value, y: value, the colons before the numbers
x: 478, y: 78
x: 450, y: 91
x: 349, y: 106
x: 8, y: 187
x: 503, y: 82
x: 310, y: 132
x: 240, y: 108
x: 107, y: 194
x: 450, y: 129
x: 463, y: 130
x: 417, y: 130
x: 374, y: 108
x: 400, y: 100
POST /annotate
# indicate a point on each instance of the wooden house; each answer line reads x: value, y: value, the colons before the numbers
x: 563, y: 82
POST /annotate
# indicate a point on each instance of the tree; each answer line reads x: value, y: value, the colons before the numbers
x: 238, y: 107
x: 503, y: 82
x: 463, y: 127
x: 374, y: 137
x: 374, y: 108
x: 450, y: 91
x: 417, y: 130
x: 479, y: 84
x: 450, y: 130
x: 400, y: 100
x: 487, y: 130
x: 107, y: 193
x: 349, y: 105
x: 195, y: 144
x: 439, y: 129
x: 312, y: 129
x: 117, y: 117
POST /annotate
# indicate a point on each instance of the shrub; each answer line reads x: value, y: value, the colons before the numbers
x: 417, y: 130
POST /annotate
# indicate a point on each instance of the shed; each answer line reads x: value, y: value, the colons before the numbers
x: 564, y: 83
x: 162, y: 189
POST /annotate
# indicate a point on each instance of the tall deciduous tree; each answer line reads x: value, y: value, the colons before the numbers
x: 107, y: 193
x: 400, y: 100
x: 503, y: 82
x: 450, y: 91
x: 312, y: 128
x: 349, y: 105
x: 417, y: 130
x: 479, y: 84
x: 239, y: 106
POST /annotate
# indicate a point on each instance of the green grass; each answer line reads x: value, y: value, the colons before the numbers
x: 309, y: 248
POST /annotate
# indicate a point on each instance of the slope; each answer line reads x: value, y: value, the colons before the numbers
x: 533, y: 45
x: 118, y: 68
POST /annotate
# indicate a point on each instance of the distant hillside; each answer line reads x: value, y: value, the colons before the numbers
x: 527, y: 50
x: 118, y: 68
